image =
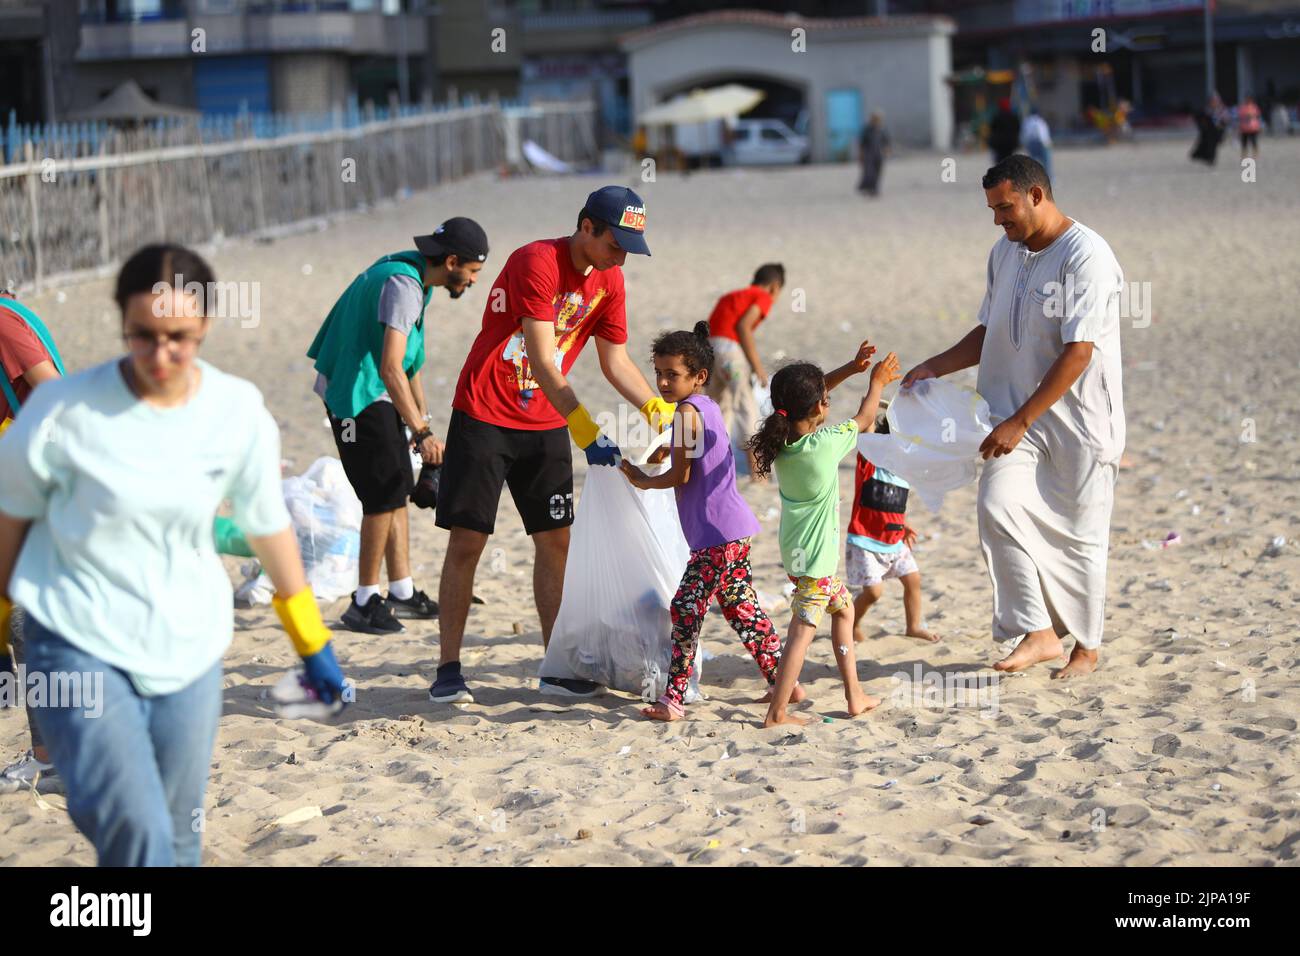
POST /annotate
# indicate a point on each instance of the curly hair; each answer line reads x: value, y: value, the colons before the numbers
x: 693, y: 347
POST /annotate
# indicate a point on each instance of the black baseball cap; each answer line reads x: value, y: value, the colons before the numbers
x: 457, y: 236
x: 624, y: 211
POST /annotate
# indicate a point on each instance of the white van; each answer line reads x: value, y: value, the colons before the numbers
x: 765, y: 142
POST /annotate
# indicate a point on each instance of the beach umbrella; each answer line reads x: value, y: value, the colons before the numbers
x: 129, y: 102
x: 701, y: 106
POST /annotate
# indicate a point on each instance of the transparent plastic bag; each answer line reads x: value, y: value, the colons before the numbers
x: 935, y: 431
x: 327, y: 520
x: 762, y: 399
x: 626, y: 558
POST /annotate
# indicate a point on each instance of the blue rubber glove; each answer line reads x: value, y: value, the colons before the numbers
x: 603, y: 452
x: 324, y: 674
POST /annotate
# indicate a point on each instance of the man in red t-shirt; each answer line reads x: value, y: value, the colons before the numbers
x: 513, y: 403
x: 25, y: 361
x: 735, y: 356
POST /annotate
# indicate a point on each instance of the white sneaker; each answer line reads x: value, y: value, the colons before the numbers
x: 29, y: 772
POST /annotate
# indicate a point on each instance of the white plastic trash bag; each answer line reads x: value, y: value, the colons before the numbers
x: 627, y: 555
x: 326, y: 518
x: 762, y: 400
x: 935, y: 432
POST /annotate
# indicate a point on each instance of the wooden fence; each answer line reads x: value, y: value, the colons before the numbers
x: 61, y: 214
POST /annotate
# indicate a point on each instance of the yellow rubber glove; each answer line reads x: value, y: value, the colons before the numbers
x: 6, y: 609
x: 301, y: 619
x: 658, y: 413
x: 581, y: 427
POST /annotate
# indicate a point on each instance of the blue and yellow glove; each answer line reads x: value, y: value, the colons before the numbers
x: 659, y: 413
x: 587, y: 436
x: 311, y: 639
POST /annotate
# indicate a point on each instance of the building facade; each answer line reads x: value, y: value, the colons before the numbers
x: 836, y: 71
x: 224, y: 56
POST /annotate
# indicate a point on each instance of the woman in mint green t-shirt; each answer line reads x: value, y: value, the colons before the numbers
x: 806, y: 453
x: 111, y: 479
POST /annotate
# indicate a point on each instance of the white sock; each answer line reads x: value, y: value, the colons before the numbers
x: 403, y: 590
x: 364, y: 593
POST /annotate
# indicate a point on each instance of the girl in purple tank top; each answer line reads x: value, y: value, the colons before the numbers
x: 716, y: 521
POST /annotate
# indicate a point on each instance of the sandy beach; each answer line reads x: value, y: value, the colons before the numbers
x: 1181, y: 749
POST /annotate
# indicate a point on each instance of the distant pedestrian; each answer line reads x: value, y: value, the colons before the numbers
x: 1210, y: 125
x: 1037, y: 138
x: 1004, y: 131
x: 1249, y: 120
x: 873, y: 147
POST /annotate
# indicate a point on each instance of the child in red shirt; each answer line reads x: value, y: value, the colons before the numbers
x: 735, y: 318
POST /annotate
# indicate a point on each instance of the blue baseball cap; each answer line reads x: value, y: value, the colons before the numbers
x: 624, y: 211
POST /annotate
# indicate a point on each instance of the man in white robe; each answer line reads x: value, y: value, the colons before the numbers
x: 1048, y: 350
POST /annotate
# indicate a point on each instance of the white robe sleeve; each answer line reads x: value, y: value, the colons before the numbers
x: 988, y: 291
x: 1095, y: 290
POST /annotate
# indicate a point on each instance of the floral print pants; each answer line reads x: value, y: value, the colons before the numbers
x: 722, y: 571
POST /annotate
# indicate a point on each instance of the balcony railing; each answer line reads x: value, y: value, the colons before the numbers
x: 585, y: 20
x: 145, y: 11
x: 353, y: 32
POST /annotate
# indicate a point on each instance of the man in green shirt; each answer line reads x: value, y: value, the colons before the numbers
x: 368, y: 355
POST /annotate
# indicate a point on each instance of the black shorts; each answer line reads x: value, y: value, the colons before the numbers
x: 481, y: 457
x: 1250, y: 139
x: 376, y: 457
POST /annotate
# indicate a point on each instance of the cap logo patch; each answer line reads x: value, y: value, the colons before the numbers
x: 633, y: 218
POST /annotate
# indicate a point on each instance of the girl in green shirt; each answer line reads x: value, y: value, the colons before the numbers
x: 805, y: 453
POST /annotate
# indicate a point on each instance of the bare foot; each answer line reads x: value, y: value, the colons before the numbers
x: 859, y: 635
x: 1082, y: 661
x: 860, y: 703
x: 657, y: 711
x: 924, y: 635
x: 1034, y: 649
x: 796, y: 695
x: 785, y: 719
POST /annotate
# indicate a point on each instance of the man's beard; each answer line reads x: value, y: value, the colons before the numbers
x: 455, y: 293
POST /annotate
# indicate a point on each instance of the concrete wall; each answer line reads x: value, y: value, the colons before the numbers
x: 897, y: 70
x: 309, y: 81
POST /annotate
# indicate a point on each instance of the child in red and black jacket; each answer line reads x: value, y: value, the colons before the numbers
x: 880, y: 544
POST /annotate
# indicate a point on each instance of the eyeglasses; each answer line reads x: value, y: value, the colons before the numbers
x: 145, y: 342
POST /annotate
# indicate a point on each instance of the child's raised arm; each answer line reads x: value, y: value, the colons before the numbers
x: 886, y: 371
x: 858, y: 364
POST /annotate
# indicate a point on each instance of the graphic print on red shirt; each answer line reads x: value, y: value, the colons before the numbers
x: 538, y: 281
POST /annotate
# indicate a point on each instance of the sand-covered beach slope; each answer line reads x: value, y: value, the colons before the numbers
x: 1181, y: 749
